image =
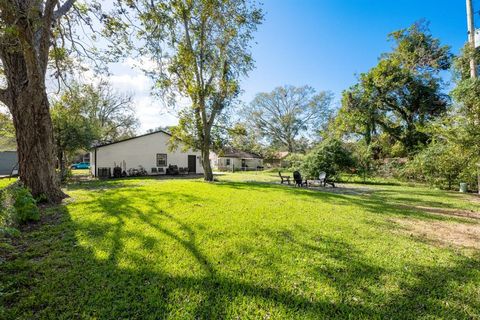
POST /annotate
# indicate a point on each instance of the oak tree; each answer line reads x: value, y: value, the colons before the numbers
x: 289, y: 113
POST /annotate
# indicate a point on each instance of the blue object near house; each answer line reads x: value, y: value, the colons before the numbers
x: 80, y: 165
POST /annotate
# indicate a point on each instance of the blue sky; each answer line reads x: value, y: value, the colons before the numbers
x: 322, y: 43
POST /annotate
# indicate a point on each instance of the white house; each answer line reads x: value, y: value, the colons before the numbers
x: 149, y: 151
x: 235, y: 160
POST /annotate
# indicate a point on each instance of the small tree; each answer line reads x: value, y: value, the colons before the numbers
x: 329, y: 156
x: 72, y: 131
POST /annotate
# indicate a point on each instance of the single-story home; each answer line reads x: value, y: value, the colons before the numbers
x: 277, y: 160
x: 149, y: 151
x: 234, y: 160
x: 8, y: 162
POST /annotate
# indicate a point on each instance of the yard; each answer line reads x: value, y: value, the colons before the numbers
x: 183, y: 249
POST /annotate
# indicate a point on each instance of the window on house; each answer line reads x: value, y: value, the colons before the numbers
x: 227, y: 162
x: 161, y: 159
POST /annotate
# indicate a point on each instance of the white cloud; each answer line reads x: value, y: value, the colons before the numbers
x: 153, y: 113
x: 126, y: 82
x: 144, y: 63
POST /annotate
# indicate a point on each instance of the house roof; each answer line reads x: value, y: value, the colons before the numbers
x: 232, y: 153
x: 140, y: 136
x: 280, y: 155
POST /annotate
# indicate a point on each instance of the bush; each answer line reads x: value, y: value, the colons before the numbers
x: 17, y: 206
x: 443, y: 165
x: 295, y: 160
x: 329, y: 156
x: 25, y: 206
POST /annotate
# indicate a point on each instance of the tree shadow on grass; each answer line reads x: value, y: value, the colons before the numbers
x: 71, y: 280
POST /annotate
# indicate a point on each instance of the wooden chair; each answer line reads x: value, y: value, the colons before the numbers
x: 284, y: 178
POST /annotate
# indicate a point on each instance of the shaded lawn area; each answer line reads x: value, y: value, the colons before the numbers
x: 185, y: 249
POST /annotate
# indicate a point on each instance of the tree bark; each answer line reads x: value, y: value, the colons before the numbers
x: 61, y: 164
x: 207, y: 168
x: 29, y: 106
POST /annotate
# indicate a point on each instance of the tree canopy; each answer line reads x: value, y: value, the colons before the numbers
x: 402, y: 93
x: 288, y: 113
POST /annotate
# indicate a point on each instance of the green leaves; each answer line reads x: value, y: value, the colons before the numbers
x: 402, y: 93
x: 288, y: 113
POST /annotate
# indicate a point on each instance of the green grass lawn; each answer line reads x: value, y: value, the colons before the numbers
x: 184, y: 249
x: 6, y: 181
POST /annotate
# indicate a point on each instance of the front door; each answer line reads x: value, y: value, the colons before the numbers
x: 192, y: 164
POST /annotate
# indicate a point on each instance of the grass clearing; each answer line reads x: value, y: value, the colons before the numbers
x: 4, y: 182
x: 184, y: 249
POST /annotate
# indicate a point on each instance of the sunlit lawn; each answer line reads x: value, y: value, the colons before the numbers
x: 185, y: 249
x: 6, y: 181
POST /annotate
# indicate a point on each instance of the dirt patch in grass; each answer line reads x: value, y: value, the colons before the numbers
x: 443, y: 233
x: 475, y: 215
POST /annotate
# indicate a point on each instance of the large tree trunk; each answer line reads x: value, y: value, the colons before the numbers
x: 29, y: 106
x: 35, y: 146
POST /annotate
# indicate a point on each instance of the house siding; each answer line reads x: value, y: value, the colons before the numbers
x: 236, y: 164
x: 141, y: 151
x: 8, y: 160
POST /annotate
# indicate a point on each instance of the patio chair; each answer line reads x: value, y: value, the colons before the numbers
x: 172, y: 170
x: 299, y: 182
x: 322, y: 180
x: 284, y: 178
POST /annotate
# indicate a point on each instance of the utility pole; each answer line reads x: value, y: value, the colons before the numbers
x: 473, y: 64
x: 471, y: 38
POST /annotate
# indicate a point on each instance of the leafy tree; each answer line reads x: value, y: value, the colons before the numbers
x: 357, y: 116
x: 111, y: 112
x: 403, y: 93
x: 26, y: 36
x: 72, y: 131
x: 289, y: 113
x: 246, y: 139
x: 201, y: 49
x: 7, y: 132
x: 86, y: 114
x: 330, y: 156
x: 37, y: 39
x: 450, y: 157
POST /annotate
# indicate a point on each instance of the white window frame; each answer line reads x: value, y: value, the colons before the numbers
x: 158, y: 160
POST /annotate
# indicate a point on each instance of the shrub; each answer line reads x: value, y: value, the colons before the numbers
x: 17, y: 206
x: 442, y: 164
x: 330, y: 156
x: 295, y: 160
x: 25, y: 206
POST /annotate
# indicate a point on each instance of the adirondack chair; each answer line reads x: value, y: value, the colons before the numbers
x: 284, y: 178
x: 299, y: 182
x: 322, y: 180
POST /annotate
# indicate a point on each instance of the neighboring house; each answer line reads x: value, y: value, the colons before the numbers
x: 149, y: 151
x: 277, y: 160
x: 8, y: 162
x: 233, y: 160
